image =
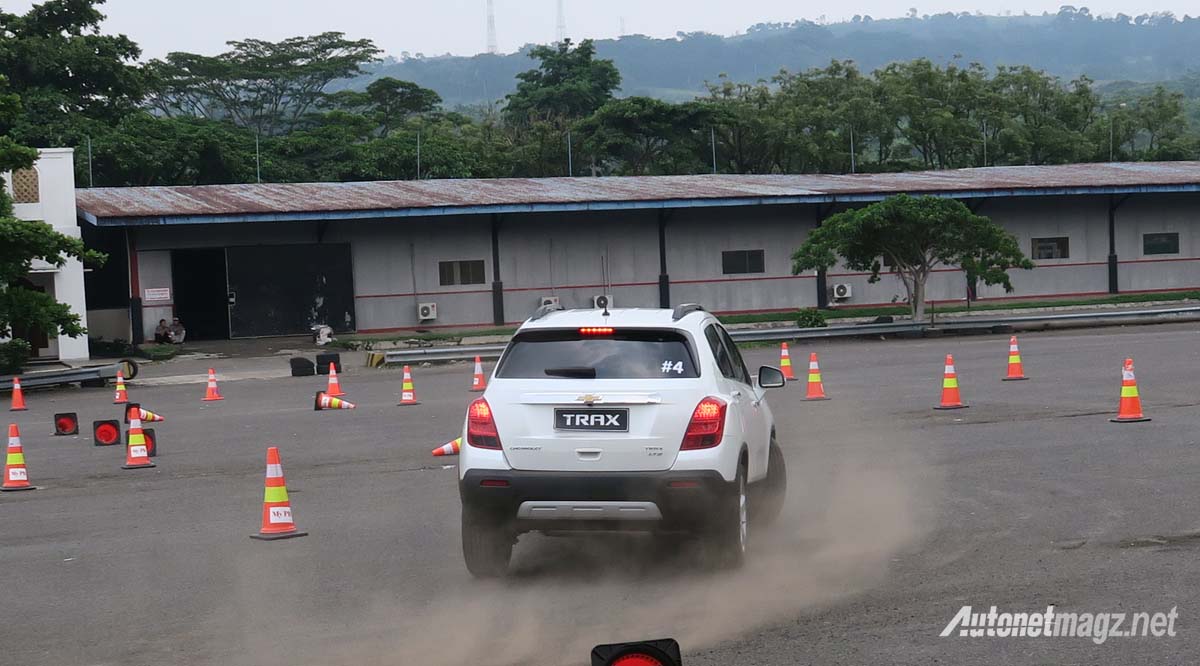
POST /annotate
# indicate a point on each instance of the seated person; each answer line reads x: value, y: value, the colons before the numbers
x: 162, y: 334
x: 177, y: 332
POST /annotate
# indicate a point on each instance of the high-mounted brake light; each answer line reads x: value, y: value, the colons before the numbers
x: 707, y: 426
x: 481, y: 427
x: 596, y: 330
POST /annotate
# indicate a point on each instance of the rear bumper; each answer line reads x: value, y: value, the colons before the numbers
x: 683, y: 500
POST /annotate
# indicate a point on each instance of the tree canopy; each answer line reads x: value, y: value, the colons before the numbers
x: 913, y: 236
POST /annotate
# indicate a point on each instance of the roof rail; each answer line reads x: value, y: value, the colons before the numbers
x: 685, y: 309
x: 545, y: 310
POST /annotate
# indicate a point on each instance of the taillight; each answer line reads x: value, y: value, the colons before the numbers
x: 707, y: 426
x: 481, y: 427
x: 596, y: 330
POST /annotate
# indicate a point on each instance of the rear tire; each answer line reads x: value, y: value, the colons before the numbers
x: 487, y: 547
x: 731, y: 532
x: 773, y: 491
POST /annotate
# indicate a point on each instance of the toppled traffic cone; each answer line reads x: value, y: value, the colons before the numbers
x: 277, y: 522
x: 325, y: 401
x: 137, y: 455
x: 121, y: 396
x: 18, y: 396
x: 334, y: 388
x: 451, y: 448
x: 1130, y: 410
x: 210, y: 392
x: 816, y: 390
x: 408, y: 394
x: 148, y: 416
x: 1016, y: 372
x: 950, y: 396
x: 16, y: 477
x: 478, y: 383
x: 785, y: 363
x: 66, y: 423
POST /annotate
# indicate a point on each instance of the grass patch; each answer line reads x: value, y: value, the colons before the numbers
x: 156, y: 352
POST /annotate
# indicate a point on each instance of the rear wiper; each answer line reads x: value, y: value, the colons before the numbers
x: 573, y: 373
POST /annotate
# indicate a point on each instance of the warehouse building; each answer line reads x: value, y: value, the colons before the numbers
x: 272, y: 259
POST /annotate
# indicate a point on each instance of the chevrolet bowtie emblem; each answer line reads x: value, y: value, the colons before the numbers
x: 588, y: 398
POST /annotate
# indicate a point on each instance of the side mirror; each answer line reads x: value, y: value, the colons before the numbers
x: 770, y: 378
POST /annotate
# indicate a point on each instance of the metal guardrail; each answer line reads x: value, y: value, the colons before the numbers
x: 63, y: 376
x: 792, y: 333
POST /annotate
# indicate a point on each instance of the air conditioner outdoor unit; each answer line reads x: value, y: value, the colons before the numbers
x: 606, y: 303
x: 842, y: 292
x: 549, y: 300
x: 427, y: 311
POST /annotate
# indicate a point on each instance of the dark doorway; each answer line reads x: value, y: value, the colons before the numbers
x: 285, y: 289
x: 201, y: 302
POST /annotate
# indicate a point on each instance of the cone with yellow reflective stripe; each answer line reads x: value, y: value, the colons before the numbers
x: 334, y: 387
x: 950, y: 397
x: 478, y: 382
x: 785, y: 363
x: 121, y: 396
x: 277, y: 521
x: 816, y: 390
x: 1016, y: 372
x: 325, y: 401
x: 16, y: 477
x: 408, y: 394
x: 137, y: 452
x: 451, y: 448
x: 145, y: 415
x: 1130, y: 410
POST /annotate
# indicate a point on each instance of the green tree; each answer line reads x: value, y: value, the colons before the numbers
x: 569, y: 83
x: 635, y: 136
x: 915, y: 235
x: 387, y: 101
x: 23, y: 241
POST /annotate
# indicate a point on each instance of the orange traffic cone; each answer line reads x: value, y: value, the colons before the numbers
x: 324, y: 401
x: 408, y: 394
x: 1015, y: 371
x: 816, y: 390
x: 950, y: 397
x: 335, y: 387
x: 16, y: 477
x: 1130, y: 410
x: 137, y: 454
x: 148, y: 416
x: 122, y: 396
x: 18, y: 396
x: 451, y: 448
x: 210, y: 392
x: 478, y: 383
x: 785, y: 363
x: 277, y: 522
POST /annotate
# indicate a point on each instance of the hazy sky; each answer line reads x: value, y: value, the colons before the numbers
x: 435, y: 27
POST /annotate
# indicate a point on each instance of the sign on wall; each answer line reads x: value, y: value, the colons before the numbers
x: 160, y: 295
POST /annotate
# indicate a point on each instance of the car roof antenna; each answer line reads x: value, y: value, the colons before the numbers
x: 604, y: 276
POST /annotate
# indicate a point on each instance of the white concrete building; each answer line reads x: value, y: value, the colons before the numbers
x: 47, y: 193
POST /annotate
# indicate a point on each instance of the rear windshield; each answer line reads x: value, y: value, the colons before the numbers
x: 623, y: 354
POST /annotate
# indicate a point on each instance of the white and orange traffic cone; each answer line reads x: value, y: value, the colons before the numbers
x: 210, y: 392
x: 1130, y: 410
x: 950, y: 396
x: 121, y: 396
x: 334, y: 388
x: 16, y: 477
x: 277, y: 521
x: 18, y: 396
x: 408, y: 393
x: 324, y: 401
x: 148, y: 416
x: 1016, y: 372
x: 816, y: 389
x: 137, y: 453
x: 785, y: 363
x: 478, y: 382
x: 451, y: 448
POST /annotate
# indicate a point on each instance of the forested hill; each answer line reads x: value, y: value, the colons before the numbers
x: 1153, y: 47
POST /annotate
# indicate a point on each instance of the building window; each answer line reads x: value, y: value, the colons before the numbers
x: 1051, y: 248
x: 742, y: 261
x: 1161, y: 243
x: 461, y: 272
x: 25, y: 186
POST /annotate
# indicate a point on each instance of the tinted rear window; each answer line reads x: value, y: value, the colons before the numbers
x: 625, y: 354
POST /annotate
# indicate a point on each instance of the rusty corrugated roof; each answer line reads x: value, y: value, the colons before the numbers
x: 278, y: 200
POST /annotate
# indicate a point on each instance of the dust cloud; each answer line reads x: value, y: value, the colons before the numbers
x: 849, y: 512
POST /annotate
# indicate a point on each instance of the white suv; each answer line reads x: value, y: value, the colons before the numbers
x: 619, y: 420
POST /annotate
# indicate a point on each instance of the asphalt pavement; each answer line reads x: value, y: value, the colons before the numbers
x: 898, y: 516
